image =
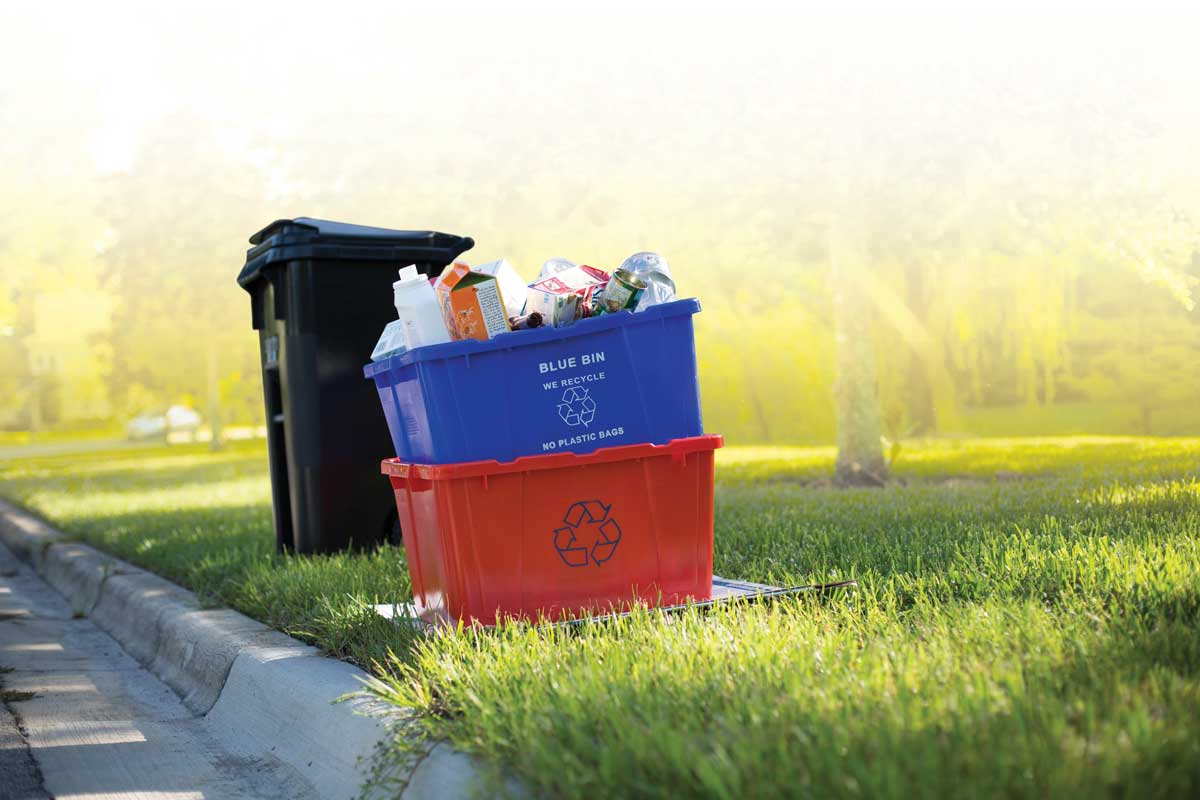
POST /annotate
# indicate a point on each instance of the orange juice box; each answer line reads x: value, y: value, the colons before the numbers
x: 471, y: 303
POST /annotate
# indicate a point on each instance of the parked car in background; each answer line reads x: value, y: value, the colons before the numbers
x: 153, y: 425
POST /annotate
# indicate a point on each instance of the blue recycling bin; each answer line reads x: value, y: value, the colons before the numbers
x: 623, y: 378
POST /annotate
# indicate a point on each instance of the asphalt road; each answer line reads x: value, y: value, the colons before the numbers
x: 80, y: 718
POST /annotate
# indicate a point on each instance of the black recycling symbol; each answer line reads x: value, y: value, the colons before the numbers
x: 589, y: 534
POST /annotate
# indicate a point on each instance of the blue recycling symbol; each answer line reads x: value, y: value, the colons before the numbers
x: 576, y: 407
x: 590, y: 534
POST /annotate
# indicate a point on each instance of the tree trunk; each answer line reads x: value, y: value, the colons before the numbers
x: 860, y: 459
x: 860, y: 447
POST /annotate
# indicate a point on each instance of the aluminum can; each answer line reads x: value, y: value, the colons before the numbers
x: 623, y: 291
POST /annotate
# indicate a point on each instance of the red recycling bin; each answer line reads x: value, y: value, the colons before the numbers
x: 561, y: 534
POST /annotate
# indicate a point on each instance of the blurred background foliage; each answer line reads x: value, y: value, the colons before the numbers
x: 1026, y: 206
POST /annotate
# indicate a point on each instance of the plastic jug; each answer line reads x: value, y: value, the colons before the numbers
x: 419, y: 309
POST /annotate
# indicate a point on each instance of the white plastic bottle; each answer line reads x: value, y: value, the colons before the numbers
x: 419, y: 309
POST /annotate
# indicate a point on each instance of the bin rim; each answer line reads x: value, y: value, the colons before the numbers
x: 394, y: 467
x: 517, y: 339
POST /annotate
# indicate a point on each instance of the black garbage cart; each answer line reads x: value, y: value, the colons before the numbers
x: 320, y: 295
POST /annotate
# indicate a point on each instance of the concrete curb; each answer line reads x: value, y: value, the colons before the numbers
x: 76, y: 572
x: 26, y: 535
x: 265, y: 693
x: 250, y: 711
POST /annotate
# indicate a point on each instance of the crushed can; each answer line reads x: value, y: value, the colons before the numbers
x: 528, y: 322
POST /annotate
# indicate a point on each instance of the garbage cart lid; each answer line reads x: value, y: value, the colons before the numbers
x: 307, y: 238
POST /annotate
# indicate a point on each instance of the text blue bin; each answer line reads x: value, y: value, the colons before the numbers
x: 616, y: 379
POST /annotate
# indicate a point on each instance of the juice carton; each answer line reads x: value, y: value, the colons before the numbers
x: 471, y: 303
x: 558, y: 298
x: 512, y: 286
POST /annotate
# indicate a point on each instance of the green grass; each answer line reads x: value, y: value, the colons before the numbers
x: 1026, y: 624
x: 1181, y: 418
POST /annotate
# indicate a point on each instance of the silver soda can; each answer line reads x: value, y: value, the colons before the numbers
x: 656, y: 273
x: 623, y: 291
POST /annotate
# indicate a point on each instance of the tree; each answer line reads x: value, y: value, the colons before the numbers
x: 853, y: 173
x: 181, y: 327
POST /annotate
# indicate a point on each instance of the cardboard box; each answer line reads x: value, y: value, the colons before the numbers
x: 558, y: 297
x: 391, y: 341
x: 472, y: 304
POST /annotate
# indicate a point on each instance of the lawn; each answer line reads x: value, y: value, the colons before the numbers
x: 1027, y: 623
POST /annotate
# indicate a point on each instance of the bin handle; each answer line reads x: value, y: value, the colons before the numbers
x: 418, y: 484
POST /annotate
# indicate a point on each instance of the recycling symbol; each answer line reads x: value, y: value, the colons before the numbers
x: 576, y: 407
x: 589, y: 534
